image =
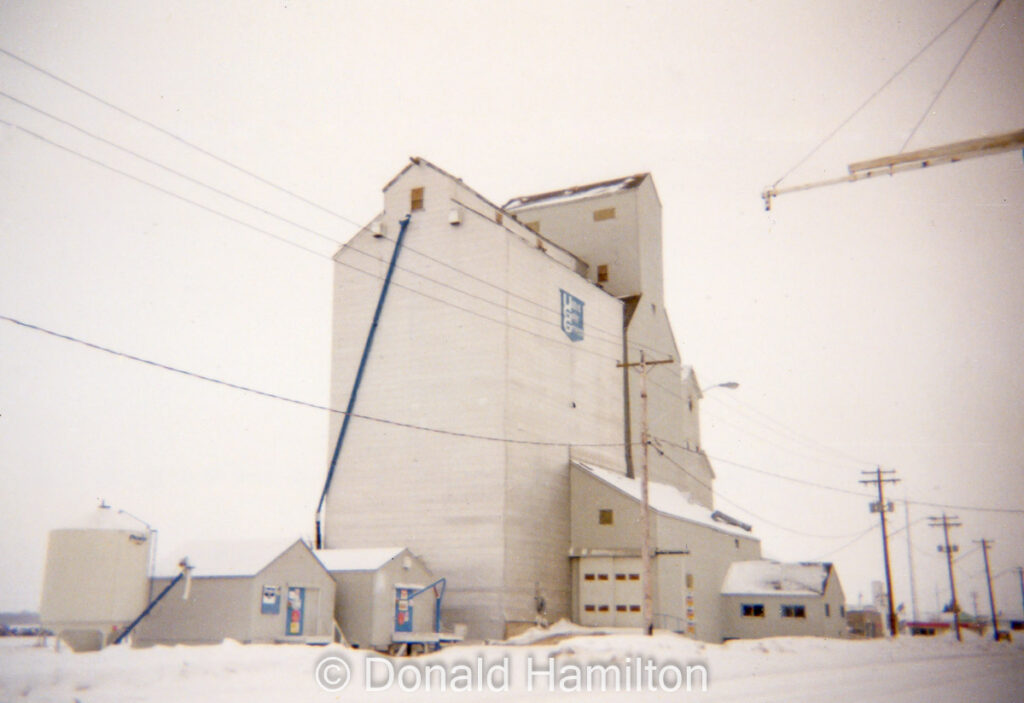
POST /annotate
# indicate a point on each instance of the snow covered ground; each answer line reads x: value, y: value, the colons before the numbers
x: 784, y: 669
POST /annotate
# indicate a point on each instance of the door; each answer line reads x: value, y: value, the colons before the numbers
x: 403, y: 610
x: 296, y: 609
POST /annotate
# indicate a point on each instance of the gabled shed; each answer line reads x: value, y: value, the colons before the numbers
x: 376, y: 595
x: 258, y: 592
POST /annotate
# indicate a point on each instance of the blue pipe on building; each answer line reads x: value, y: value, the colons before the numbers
x: 359, y: 376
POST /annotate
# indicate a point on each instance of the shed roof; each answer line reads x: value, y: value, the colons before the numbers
x: 774, y: 578
x: 663, y: 498
x: 590, y: 190
x: 225, y: 558
x: 365, y: 559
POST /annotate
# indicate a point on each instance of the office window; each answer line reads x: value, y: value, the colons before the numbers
x: 607, y: 213
x: 416, y: 199
x: 752, y: 610
x: 605, y: 516
x: 602, y: 273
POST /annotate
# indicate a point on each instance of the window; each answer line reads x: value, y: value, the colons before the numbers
x: 620, y: 577
x: 793, y: 611
x: 605, y: 516
x: 827, y: 613
x: 634, y: 608
x: 842, y: 611
x: 588, y: 577
x: 589, y: 608
x: 602, y: 608
x: 689, y: 403
x: 621, y: 608
x: 602, y: 577
x: 416, y: 199
x: 634, y: 577
x: 607, y: 213
x: 533, y: 226
x: 752, y: 610
x: 602, y: 273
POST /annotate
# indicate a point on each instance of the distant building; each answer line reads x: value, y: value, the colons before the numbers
x: 865, y: 623
x: 259, y: 592
x: 772, y: 599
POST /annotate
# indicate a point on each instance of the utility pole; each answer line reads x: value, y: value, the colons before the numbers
x: 946, y: 522
x: 881, y: 507
x: 645, y: 508
x: 1020, y: 573
x: 910, y: 560
x: 985, y: 544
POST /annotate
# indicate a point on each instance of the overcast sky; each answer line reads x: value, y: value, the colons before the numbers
x: 877, y: 323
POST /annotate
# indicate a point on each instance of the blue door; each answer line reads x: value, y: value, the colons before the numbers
x: 403, y: 610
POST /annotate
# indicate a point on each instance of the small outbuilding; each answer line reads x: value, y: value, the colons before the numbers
x: 775, y: 599
x: 385, y: 597
x: 253, y: 592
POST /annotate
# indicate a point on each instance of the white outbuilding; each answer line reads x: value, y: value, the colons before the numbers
x: 249, y: 591
x: 764, y: 598
x: 385, y: 598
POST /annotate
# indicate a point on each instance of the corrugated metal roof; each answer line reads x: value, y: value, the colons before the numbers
x: 589, y: 190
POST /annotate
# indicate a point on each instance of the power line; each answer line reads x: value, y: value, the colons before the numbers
x: 222, y: 160
x: 952, y: 73
x: 719, y: 495
x: 275, y: 396
x: 174, y: 136
x: 874, y: 95
x: 302, y: 247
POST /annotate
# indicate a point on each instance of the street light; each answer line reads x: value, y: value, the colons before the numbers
x: 731, y: 385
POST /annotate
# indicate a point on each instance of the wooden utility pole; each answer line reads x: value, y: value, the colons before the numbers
x: 910, y: 560
x: 645, y: 509
x: 881, y: 507
x: 985, y: 544
x: 1020, y: 573
x: 946, y: 522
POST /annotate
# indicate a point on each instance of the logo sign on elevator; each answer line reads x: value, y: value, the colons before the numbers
x: 572, y: 316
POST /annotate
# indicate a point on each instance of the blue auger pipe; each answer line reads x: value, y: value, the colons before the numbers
x: 136, y: 621
x: 437, y: 605
x: 359, y: 375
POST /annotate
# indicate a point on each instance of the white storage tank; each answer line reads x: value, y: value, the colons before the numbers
x: 97, y: 578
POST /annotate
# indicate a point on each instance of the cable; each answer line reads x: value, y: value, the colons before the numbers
x: 794, y: 435
x: 265, y: 394
x: 950, y: 76
x: 167, y: 168
x: 174, y: 136
x: 300, y: 246
x: 874, y: 95
x: 719, y: 495
x: 853, y: 541
x: 768, y: 473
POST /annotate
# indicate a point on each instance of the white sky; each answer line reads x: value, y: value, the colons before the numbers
x: 881, y: 321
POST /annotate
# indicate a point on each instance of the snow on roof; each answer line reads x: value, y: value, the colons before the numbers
x: 662, y: 498
x: 774, y: 578
x: 223, y: 557
x: 591, y: 190
x: 368, y: 559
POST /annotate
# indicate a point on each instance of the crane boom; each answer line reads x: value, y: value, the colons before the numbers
x: 911, y: 160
